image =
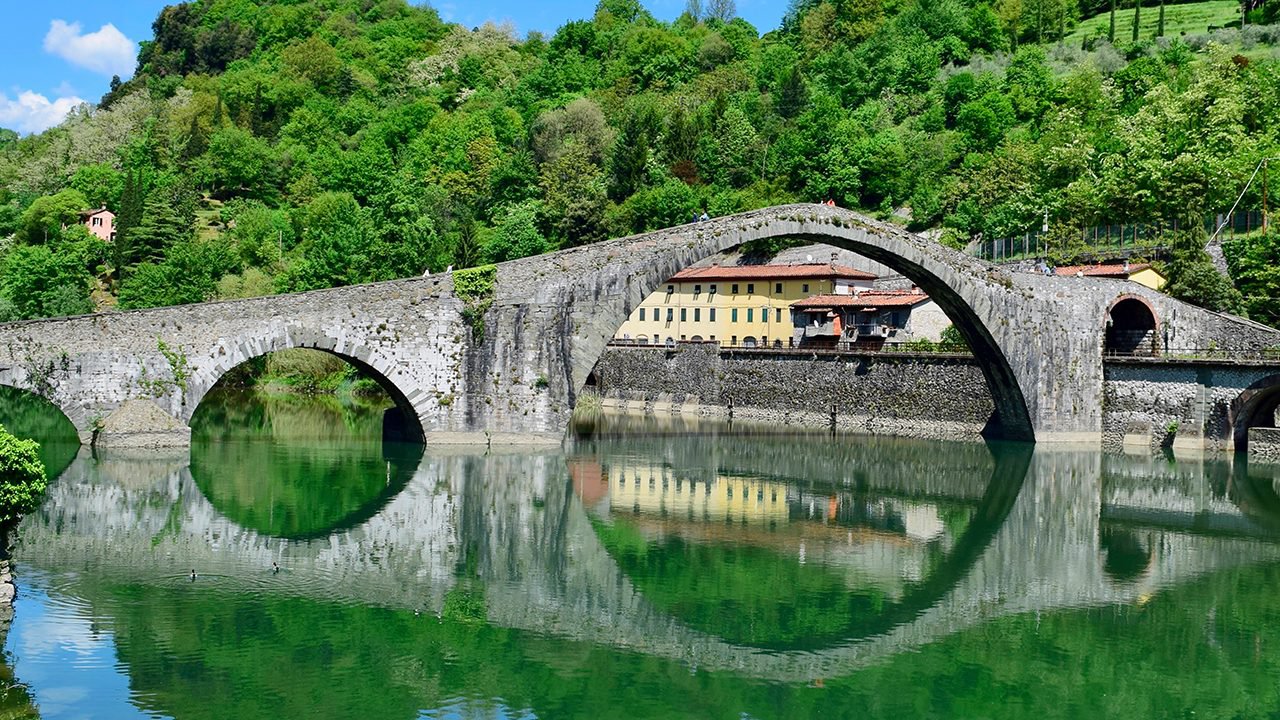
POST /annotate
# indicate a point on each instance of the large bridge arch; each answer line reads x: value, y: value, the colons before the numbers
x: 953, y: 291
x: 982, y: 301
x: 234, y: 352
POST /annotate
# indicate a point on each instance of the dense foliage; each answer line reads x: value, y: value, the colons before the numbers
x: 268, y: 146
x: 22, y: 478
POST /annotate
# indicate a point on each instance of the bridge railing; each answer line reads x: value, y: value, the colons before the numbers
x: 1213, y: 353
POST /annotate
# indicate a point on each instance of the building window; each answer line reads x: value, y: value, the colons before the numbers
x: 697, y: 314
x: 671, y: 289
x: 712, y: 290
x: 779, y: 318
x: 671, y: 314
x: 733, y: 315
x: 749, y: 313
x: 735, y: 288
x: 777, y: 288
x: 751, y: 288
x: 733, y: 340
x: 97, y: 221
x: 697, y: 290
x: 764, y: 314
x: 804, y: 288
x: 682, y: 338
x: 641, y: 314
x: 684, y: 314
x: 711, y: 313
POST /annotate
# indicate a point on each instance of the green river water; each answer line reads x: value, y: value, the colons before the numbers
x: 657, y: 570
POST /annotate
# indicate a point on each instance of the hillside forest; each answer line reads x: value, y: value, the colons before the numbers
x: 268, y: 146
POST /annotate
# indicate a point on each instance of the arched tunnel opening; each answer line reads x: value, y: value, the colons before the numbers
x: 1132, y: 329
x: 857, y: 307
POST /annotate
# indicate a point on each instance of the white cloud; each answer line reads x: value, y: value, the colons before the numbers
x: 33, y: 112
x: 106, y: 51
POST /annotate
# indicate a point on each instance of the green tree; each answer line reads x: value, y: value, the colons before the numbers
x: 47, y: 217
x: 46, y: 281
x: 517, y: 234
x: 239, y: 163
x: 261, y: 235
x: 101, y: 185
x: 188, y: 274
x: 22, y: 478
x: 574, y: 192
x: 160, y: 227
x: 338, y: 246
x: 1192, y: 275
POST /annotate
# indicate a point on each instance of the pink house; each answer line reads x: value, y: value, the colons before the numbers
x: 100, y: 222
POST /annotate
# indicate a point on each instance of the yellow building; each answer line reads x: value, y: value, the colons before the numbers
x: 747, y: 305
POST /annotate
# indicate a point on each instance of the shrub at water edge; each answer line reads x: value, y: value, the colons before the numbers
x: 22, y: 478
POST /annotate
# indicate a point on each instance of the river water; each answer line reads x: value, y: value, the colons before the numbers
x: 656, y: 570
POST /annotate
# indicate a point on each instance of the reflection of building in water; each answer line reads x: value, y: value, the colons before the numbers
x: 882, y: 541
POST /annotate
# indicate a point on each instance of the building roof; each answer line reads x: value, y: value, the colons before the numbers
x: 867, y: 300
x: 1112, y: 270
x: 97, y: 211
x: 816, y: 271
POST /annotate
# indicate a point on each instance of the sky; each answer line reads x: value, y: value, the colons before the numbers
x: 60, y: 53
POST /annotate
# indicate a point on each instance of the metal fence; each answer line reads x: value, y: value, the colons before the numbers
x: 1119, y: 237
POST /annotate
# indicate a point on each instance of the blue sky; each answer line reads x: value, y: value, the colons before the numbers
x: 63, y: 52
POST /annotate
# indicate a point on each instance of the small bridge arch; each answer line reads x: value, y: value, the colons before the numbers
x: 402, y: 424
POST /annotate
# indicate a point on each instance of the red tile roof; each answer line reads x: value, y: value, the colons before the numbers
x: 871, y: 299
x: 1111, y: 271
x: 771, y: 272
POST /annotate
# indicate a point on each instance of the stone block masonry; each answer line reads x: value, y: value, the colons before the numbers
x: 912, y: 395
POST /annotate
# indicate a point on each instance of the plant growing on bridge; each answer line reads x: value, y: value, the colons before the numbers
x: 179, y: 373
x: 22, y: 477
x: 474, y: 287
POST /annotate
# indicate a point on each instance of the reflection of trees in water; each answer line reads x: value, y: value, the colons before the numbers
x: 16, y: 702
x: 295, y: 467
x: 1206, y: 648
x: 30, y: 416
x: 763, y: 580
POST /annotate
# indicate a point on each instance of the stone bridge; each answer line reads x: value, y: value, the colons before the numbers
x: 507, y: 362
x: 525, y: 524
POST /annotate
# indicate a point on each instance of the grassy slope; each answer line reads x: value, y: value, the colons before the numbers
x: 1191, y: 18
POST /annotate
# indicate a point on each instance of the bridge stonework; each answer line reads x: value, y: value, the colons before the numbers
x: 1039, y: 340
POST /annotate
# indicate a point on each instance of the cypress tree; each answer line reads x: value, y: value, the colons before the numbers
x: 197, y: 143
x: 1111, y: 33
x: 1137, y: 17
x: 131, y: 208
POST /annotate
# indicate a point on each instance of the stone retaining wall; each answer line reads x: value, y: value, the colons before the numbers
x: 1189, y: 404
x: 893, y: 394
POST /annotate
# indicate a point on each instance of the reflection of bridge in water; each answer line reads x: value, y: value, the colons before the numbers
x: 1042, y: 531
